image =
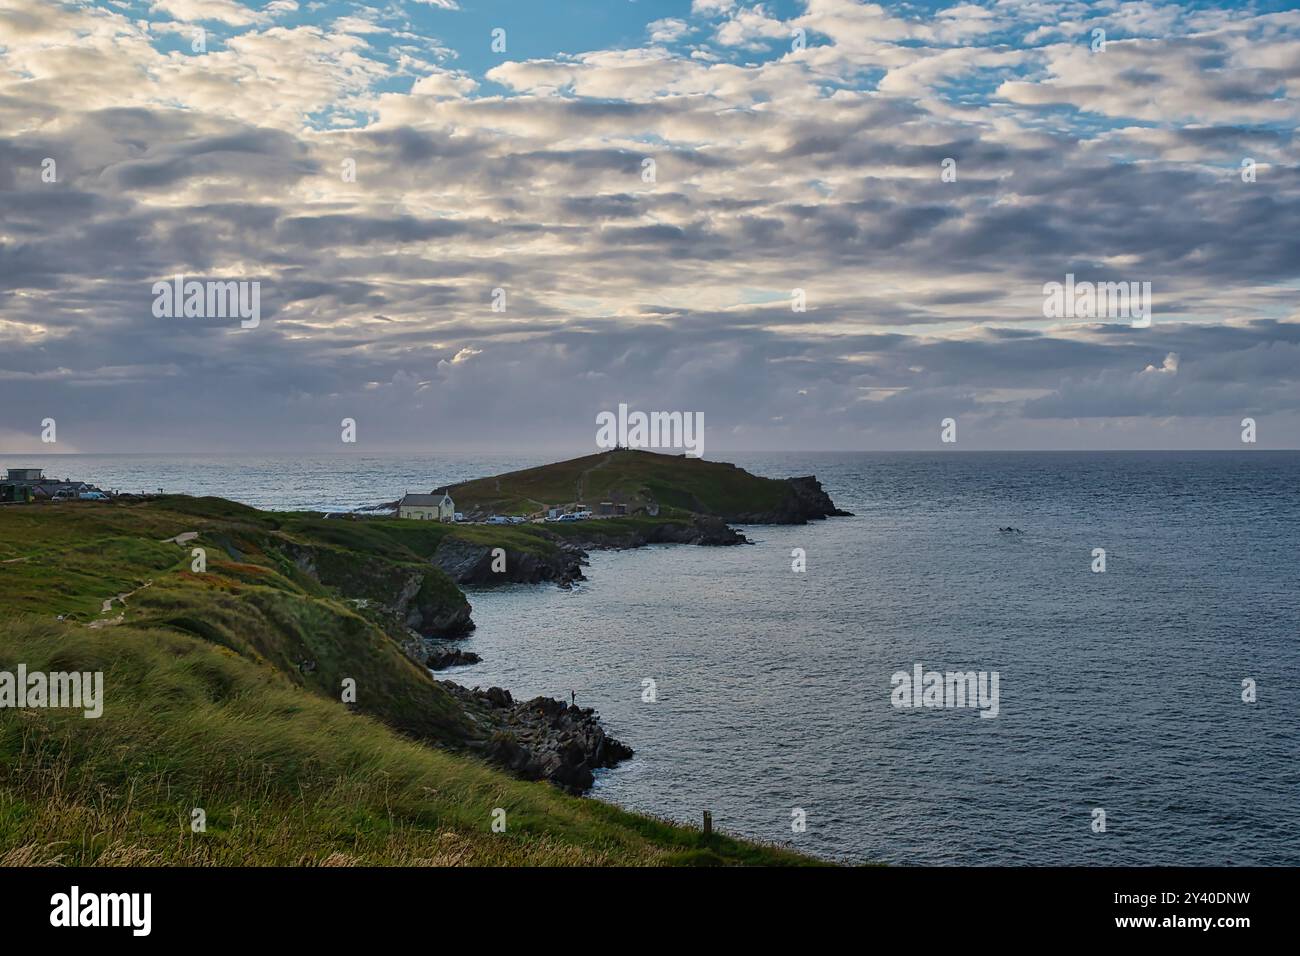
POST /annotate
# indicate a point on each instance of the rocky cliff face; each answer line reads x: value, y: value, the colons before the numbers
x: 419, y: 598
x: 543, y: 739
x: 470, y: 564
x: 805, y: 501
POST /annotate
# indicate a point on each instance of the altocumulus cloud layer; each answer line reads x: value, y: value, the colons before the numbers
x: 779, y: 164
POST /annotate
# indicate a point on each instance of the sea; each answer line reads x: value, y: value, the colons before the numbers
x: 1146, y: 714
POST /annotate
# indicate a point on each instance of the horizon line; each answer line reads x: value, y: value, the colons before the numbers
x: 664, y: 451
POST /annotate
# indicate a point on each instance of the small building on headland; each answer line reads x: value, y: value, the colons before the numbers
x: 427, y: 507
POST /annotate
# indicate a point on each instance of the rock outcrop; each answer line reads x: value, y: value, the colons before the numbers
x: 702, y: 530
x: 543, y: 739
x: 468, y: 563
x: 443, y: 657
x: 811, y: 501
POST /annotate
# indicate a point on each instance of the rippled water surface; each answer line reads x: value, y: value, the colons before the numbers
x: 1120, y: 691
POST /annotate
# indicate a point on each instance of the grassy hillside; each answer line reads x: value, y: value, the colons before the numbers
x: 273, y: 592
x: 222, y: 691
x: 644, y: 481
x: 284, y: 777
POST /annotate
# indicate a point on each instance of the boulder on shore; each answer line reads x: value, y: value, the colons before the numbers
x: 443, y: 657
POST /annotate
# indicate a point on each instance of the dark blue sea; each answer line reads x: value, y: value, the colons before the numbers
x: 1119, y: 692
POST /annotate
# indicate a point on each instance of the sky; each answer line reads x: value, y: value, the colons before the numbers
x: 476, y: 225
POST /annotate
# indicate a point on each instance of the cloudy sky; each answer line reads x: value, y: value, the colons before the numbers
x: 502, y: 144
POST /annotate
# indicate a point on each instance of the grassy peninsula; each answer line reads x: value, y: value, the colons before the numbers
x: 648, y: 483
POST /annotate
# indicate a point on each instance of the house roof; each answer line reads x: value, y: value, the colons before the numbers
x: 420, y: 501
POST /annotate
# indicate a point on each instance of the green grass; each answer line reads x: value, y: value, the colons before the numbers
x: 284, y: 777
x: 639, y: 479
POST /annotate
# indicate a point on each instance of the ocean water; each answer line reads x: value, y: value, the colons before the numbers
x: 1118, y: 692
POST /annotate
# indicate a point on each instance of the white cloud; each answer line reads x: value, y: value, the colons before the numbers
x: 747, y: 26
x: 220, y: 11
x: 444, y: 83
x: 1168, y: 367
x: 667, y: 30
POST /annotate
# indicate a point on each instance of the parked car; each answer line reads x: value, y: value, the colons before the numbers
x: 93, y: 496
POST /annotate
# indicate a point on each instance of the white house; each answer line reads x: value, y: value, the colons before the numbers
x: 427, y: 507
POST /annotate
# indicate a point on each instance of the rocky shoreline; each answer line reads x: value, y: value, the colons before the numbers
x: 543, y: 738
x: 470, y: 565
